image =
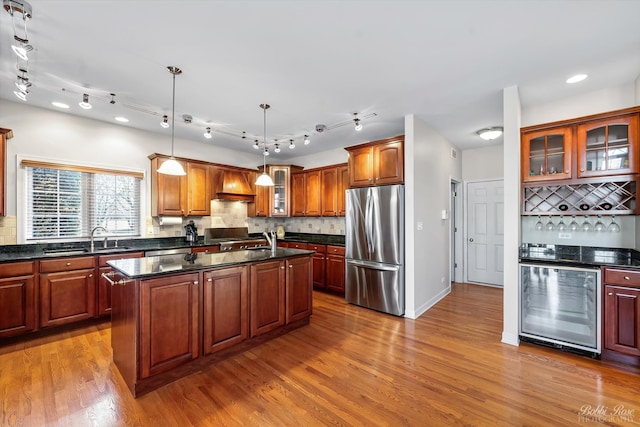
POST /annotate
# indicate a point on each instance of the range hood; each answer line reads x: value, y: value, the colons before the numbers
x: 233, y: 185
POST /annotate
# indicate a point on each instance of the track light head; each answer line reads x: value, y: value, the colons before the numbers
x: 291, y: 144
x: 277, y: 149
x: 85, y: 102
x: 207, y: 134
x: 165, y: 121
x: 307, y: 141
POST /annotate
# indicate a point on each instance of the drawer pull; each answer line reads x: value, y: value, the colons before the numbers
x: 291, y: 266
x: 610, y: 294
x: 195, y: 283
x: 626, y: 277
x: 68, y: 264
x: 282, y: 267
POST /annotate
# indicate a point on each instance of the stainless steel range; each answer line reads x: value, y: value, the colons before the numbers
x: 232, y: 238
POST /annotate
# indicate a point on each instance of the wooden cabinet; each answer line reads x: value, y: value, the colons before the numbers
x: 188, y: 195
x: 608, y: 146
x: 103, y: 302
x: 267, y: 296
x: 260, y: 206
x: 67, y: 290
x: 546, y: 154
x: 335, y: 269
x: 5, y: 134
x: 225, y: 308
x: 319, y: 264
x: 306, y: 193
x: 334, y: 181
x: 17, y: 298
x: 205, y: 249
x: 622, y: 311
x: 274, y: 201
x: 168, y: 322
x: 198, y: 189
x: 377, y: 163
x: 343, y: 185
x: 298, y: 289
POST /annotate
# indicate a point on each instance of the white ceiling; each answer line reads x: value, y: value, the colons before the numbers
x: 318, y: 62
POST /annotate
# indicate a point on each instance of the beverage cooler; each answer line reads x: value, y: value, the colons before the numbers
x: 561, y: 306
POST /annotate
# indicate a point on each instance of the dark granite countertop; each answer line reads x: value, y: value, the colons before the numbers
x: 579, y: 255
x: 171, y: 264
x: 34, y: 251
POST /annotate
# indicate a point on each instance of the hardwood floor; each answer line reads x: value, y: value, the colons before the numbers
x: 350, y: 366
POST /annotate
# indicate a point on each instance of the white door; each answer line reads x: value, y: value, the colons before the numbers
x: 485, y: 232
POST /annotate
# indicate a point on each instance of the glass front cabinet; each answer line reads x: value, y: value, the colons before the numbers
x: 608, y: 147
x: 546, y: 154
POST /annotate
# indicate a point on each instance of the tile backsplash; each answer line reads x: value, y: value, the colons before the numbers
x: 8, y: 230
x: 234, y: 214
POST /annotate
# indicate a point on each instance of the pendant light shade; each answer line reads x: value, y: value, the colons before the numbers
x: 264, y: 180
x: 172, y: 166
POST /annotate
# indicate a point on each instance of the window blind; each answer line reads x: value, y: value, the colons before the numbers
x: 65, y: 203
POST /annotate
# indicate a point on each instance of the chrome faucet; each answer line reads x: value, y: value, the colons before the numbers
x: 271, y: 239
x: 92, y: 236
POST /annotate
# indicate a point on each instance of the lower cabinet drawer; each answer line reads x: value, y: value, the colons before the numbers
x: 614, y: 276
x: 67, y: 264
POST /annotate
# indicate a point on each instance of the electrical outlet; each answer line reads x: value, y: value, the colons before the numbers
x: 150, y: 230
x: 420, y: 225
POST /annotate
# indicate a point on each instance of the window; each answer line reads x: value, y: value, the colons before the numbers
x: 65, y: 202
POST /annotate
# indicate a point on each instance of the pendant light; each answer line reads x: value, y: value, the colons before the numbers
x: 172, y: 166
x: 265, y: 180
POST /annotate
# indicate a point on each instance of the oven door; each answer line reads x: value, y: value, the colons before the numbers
x: 561, y: 305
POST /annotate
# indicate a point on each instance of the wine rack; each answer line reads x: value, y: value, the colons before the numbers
x: 611, y: 197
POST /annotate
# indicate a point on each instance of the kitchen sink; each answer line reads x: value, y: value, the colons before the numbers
x: 64, y: 251
x: 112, y: 249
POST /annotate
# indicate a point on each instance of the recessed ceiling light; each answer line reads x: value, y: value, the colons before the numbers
x: 59, y: 104
x: 577, y: 78
x: 121, y: 119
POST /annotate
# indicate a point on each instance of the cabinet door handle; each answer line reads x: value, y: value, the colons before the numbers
x: 581, y: 170
x: 209, y: 280
x: 91, y: 275
x: 195, y: 282
x: 282, y: 267
x: 291, y: 266
x: 610, y: 294
x: 567, y: 171
x: 68, y: 264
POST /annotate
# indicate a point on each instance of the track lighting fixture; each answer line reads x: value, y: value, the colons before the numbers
x: 266, y: 151
x: 172, y: 166
x: 165, y: 121
x: 356, y: 120
x: 307, y: 141
x: 277, y: 149
x: 490, y: 133
x: 21, y: 95
x: 264, y: 180
x: 256, y: 146
x: 22, y: 47
x: 85, y: 102
x: 291, y: 144
x: 23, y: 84
x: 207, y: 134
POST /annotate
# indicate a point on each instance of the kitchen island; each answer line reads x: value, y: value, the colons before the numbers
x: 173, y: 315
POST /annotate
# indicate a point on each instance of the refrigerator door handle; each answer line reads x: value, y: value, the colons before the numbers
x: 369, y: 222
x: 374, y: 266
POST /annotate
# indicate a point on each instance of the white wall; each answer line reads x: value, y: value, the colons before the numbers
x: 601, y: 101
x: 484, y: 163
x: 429, y: 169
x: 324, y: 158
x: 54, y: 136
x: 637, y: 86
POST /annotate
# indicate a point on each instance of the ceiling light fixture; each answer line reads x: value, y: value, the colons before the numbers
x: 172, y: 166
x: 291, y: 144
x: 356, y: 120
x: 266, y: 151
x: 577, y: 78
x: 264, y: 180
x: 85, y: 102
x: 256, y: 146
x: 307, y: 141
x: 207, y: 134
x: 22, y: 81
x: 165, y: 121
x: 489, y: 134
x: 277, y: 149
x: 21, y: 95
x: 22, y: 47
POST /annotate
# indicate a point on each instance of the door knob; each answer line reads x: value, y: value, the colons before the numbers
x: 471, y: 239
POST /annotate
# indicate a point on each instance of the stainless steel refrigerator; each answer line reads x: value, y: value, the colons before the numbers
x: 375, y: 248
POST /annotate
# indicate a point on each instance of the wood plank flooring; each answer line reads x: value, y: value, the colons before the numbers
x: 350, y: 367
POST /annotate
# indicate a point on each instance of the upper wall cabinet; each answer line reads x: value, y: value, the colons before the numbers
x: 188, y: 195
x: 334, y: 181
x: 546, y: 154
x: 608, y: 147
x: 274, y: 201
x: 377, y: 163
x: 306, y: 193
